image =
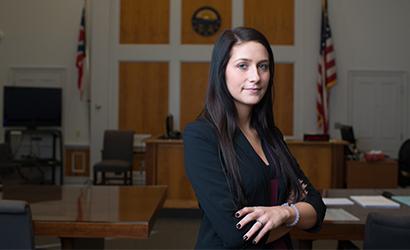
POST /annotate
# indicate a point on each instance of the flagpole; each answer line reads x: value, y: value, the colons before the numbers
x: 88, y: 77
x: 88, y: 50
x: 88, y: 7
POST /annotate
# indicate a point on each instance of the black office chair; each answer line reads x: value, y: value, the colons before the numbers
x: 117, y: 157
x: 347, y: 134
x: 16, y: 228
x: 404, y: 164
x: 387, y: 231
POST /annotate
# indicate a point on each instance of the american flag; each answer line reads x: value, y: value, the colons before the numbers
x: 327, y: 73
x: 81, y: 55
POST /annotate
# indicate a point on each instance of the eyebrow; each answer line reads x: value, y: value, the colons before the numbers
x: 248, y: 60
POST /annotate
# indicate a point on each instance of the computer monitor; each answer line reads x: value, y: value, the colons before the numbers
x: 347, y: 134
x: 170, y: 132
x: 32, y: 106
x: 169, y: 123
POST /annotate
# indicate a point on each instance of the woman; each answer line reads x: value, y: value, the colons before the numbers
x: 249, y: 187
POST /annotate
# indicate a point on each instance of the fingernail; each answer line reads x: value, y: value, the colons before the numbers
x: 254, y: 242
x: 245, y: 237
x: 237, y: 215
x: 238, y: 226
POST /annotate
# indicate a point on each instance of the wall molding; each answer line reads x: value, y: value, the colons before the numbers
x: 39, y: 76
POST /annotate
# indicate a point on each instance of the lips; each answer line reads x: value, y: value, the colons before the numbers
x: 252, y: 89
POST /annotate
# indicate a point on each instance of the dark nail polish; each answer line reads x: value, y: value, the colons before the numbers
x: 237, y: 215
x: 254, y: 242
x: 238, y: 226
x: 245, y: 237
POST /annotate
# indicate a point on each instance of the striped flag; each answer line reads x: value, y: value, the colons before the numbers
x: 81, y: 53
x: 327, y: 73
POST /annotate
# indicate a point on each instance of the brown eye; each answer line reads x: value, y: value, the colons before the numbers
x: 264, y: 66
x: 242, y: 66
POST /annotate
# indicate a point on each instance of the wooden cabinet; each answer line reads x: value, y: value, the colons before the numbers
x: 322, y: 162
x: 377, y: 174
x: 77, y: 160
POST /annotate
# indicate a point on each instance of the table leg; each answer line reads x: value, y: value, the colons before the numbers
x: 346, y: 245
x: 303, y: 244
x: 82, y: 243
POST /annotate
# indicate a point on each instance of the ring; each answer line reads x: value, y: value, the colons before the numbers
x: 262, y: 224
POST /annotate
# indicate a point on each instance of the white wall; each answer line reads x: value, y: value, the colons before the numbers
x: 368, y: 35
x: 43, y: 33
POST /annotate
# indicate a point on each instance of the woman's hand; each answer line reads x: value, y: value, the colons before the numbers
x: 264, y: 219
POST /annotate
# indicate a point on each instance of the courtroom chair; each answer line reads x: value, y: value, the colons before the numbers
x: 404, y: 164
x: 117, y: 157
x: 387, y: 231
x: 16, y: 227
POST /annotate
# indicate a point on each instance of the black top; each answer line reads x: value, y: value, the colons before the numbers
x: 204, y: 170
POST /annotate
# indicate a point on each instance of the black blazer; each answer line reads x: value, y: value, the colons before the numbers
x: 204, y: 169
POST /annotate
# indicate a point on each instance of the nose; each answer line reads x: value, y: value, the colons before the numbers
x: 253, y: 74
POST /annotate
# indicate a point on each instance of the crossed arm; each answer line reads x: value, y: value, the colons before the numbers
x: 273, y: 219
x: 208, y: 180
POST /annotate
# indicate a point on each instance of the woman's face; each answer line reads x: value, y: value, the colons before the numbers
x: 247, y: 73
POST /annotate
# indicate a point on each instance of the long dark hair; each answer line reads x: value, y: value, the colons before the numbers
x: 221, y: 112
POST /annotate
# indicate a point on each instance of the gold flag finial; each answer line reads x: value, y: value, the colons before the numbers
x: 324, y: 4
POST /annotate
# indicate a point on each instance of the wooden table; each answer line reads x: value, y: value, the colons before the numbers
x: 350, y: 230
x: 82, y: 216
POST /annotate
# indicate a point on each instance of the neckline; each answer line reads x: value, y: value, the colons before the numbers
x: 254, y: 151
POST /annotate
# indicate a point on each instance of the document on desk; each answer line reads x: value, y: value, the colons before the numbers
x: 337, y: 201
x: 374, y: 201
x: 339, y: 214
x: 405, y: 199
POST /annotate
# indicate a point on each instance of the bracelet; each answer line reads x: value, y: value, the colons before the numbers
x: 297, y: 215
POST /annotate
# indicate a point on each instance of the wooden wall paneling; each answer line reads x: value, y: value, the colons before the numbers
x: 274, y: 18
x: 143, y: 96
x: 189, y: 36
x: 77, y: 161
x: 283, y: 99
x: 194, y: 83
x: 144, y: 21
